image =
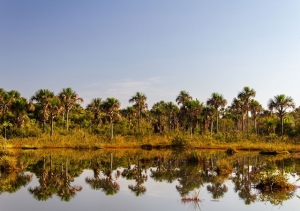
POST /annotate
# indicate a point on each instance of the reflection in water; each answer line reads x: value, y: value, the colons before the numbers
x: 209, y: 172
x: 189, y: 179
x: 11, y: 182
x: 107, y: 183
x: 54, y: 182
x: 135, y: 172
x: 165, y: 171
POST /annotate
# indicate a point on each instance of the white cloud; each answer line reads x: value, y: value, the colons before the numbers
x: 154, y: 88
x: 130, y: 87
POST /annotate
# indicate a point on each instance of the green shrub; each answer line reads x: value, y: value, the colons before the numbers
x: 7, y: 162
x: 179, y: 141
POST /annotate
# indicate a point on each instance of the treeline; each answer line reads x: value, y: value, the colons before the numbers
x: 47, y: 112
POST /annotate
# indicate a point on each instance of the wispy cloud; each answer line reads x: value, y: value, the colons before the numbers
x: 155, y: 89
x: 92, y: 85
x: 129, y: 87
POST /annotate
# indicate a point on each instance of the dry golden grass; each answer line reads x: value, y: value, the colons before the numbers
x: 80, y: 140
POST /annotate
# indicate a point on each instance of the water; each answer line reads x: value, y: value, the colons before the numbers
x: 145, y: 180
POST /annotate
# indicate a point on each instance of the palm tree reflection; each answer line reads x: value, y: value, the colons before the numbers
x: 104, y: 181
x: 136, y: 173
x: 54, y: 182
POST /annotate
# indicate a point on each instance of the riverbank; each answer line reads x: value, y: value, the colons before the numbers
x: 86, y: 141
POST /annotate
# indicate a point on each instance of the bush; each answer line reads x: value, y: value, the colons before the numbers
x: 274, y: 182
x: 7, y: 162
x: 25, y: 132
x: 179, y: 141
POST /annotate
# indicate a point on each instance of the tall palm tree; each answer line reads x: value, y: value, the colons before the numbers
x: 245, y: 96
x: 193, y: 109
x: 42, y: 97
x: 19, y: 108
x: 183, y: 97
x: 129, y: 113
x: 159, y: 111
x: 95, y: 107
x: 281, y: 103
x: 217, y: 101
x: 139, y: 100
x: 256, y: 109
x: 69, y: 98
x: 172, y: 112
x: 2, y: 93
x: 207, y: 115
x: 7, y: 99
x: 54, y: 107
x: 236, y: 110
x: 111, y: 108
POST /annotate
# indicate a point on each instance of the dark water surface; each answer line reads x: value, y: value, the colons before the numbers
x: 146, y: 180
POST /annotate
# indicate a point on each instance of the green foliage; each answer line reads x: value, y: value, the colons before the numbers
x: 8, y: 162
x: 24, y: 132
x: 274, y: 182
x: 179, y: 141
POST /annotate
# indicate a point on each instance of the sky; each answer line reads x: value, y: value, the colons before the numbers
x: 116, y: 48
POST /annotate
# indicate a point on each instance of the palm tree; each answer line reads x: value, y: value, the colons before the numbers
x: 69, y: 98
x: 207, y: 115
x: 129, y: 113
x: 245, y: 96
x: 19, y: 108
x: 42, y: 97
x: 159, y: 111
x: 217, y: 101
x: 139, y: 100
x: 172, y: 112
x: 96, y: 108
x: 256, y: 109
x: 193, y: 109
x: 236, y: 109
x: 281, y: 103
x: 183, y: 97
x: 111, y: 108
x: 54, y: 107
x: 2, y: 93
x: 7, y: 98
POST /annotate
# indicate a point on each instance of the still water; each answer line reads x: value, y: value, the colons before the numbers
x: 146, y: 180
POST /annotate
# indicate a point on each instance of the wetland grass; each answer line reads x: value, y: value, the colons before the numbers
x: 81, y: 140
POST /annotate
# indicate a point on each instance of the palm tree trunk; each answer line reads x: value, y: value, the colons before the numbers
x: 44, y: 125
x: 255, y: 126
x: 51, y: 131
x: 111, y: 161
x: 243, y: 123
x: 247, y: 123
x: 281, y: 120
x: 217, y: 123
x: 211, y: 126
x: 67, y: 120
x: 111, y: 130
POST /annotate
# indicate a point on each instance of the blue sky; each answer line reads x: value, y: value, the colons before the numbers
x: 158, y: 47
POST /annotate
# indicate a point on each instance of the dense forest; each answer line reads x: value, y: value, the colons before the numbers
x: 47, y: 112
